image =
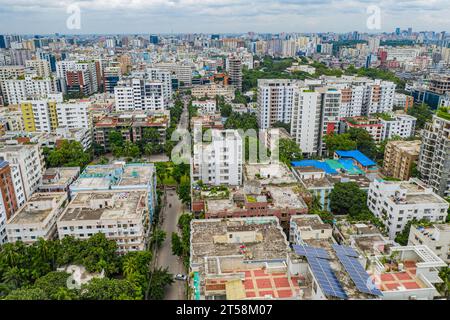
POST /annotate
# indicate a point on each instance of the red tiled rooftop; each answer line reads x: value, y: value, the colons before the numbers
x: 264, y: 293
x: 250, y: 294
x: 387, y: 277
x: 281, y: 282
x: 392, y: 286
x: 248, y: 284
x: 284, y: 293
x: 263, y: 283
x: 411, y: 285
x: 403, y: 276
x: 259, y: 273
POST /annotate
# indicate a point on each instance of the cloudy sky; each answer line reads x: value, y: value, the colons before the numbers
x: 220, y: 16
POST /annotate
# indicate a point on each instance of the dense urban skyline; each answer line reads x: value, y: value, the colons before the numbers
x: 223, y: 16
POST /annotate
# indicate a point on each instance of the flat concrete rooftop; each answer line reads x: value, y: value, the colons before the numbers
x: 116, y: 205
x: 38, y: 208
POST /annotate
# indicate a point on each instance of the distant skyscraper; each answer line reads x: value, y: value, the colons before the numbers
x: 235, y: 72
x: 409, y: 31
x: 397, y: 31
x: 215, y: 37
x: 154, y: 39
x: 2, y: 42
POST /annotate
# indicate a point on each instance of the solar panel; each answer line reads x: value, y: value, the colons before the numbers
x: 348, y: 251
x: 359, y: 276
x: 326, y: 278
x: 309, y: 251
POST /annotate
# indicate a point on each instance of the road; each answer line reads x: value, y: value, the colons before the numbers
x: 170, y: 214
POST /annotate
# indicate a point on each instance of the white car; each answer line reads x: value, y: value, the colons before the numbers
x: 181, y: 277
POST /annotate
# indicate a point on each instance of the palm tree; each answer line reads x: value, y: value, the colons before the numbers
x: 444, y: 288
x: 129, y: 266
x: 158, y: 237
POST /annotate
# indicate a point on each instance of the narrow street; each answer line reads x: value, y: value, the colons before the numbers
x: 170, y: 214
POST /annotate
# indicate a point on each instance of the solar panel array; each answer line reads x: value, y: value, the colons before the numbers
x: 326, y: 278
x: 348, y: 251
x: 309, y: 251
x: 348, y: 257
x: 320, y: 267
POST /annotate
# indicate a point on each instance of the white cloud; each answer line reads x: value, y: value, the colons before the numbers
x: 41, y: 16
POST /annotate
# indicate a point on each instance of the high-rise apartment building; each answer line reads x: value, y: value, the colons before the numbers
x: 219, y: 161
x: 27, y: 167
x: 235, y: 72
x: 40, y: 67
x: 17, y: 90
x: 8, y: 201
x: 399, y: 157
x: 46, y: 115
x: 275, y: 99
x: 434, y: 158
x: 139, y: 94
x: 397, y: 203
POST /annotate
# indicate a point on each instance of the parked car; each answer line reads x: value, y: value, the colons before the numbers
x: 181, y: 277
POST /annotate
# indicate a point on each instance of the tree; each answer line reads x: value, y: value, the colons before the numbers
x: 242, y: 121
x: 444, y: 288
x: 158, y: 237
x: 402, y: 237
x: 336, y: 142
x: 423, y: 114
x: 364, y: 141
x: 184, y: 192
x: 116, y: 139
x: 52, y: 283
x: 348, y: 198
x: 160, y: 278
x: 177, y: 247
x: 279, y: 124
x: 131, y: 150
x: 289, y: 151
x: 110, y: 289
x: 68, y: 154
x: 27, y: 294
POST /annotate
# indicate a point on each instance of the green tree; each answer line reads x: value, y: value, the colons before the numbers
x: 110, y: 289
x: 279, y: 124
x: 177, y: 246
x: 184, y: 192
x: 289, y: 151
x: 364, y: 141
x: 336, y: 142
x: 348, y: 198
x: 27, y: 294
x: 444, y: 288
x: 68, y: 154
x: 158, y: 237
x: 160, y: 278
x: 423, y: 114
x: 52, y: 283
x: 116, y: 138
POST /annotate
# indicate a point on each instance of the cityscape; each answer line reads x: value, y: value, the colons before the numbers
x: 189, y: 160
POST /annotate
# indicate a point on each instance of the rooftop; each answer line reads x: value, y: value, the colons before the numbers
x: 263, y: 239
x: 269, y: 174
x: 54, y: 177
x: 38, y: 208
x: 105, y: 206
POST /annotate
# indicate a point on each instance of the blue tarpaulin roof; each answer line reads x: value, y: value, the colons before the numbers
x: 316, y: 164
x: 357, y: 156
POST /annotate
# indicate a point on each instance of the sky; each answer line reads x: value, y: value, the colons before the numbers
x: 221, y: 16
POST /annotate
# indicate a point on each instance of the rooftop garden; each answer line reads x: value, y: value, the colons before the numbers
x: 444, y: 113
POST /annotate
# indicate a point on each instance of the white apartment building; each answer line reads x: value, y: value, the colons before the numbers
x: 139, y: 94
x: 21, y: 89
x: 121, y: 215
x: 182, y: 72
x: 27, y: 168
x: 45, y: 115
x: 436, y: 237
x: 315, y: 114
x: 306, y: 119
x: 400, y: 125
x: 37, y: 218
x: 396, y: 203
x: 40, y: 67
x: 434, y: 158
x: 73, y: 114
x: 275, y: 100
x: 352, y: 101
x: 207, y: 107
x: 379, y: 97
x: 164, y: 76
x: 218, y: 162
